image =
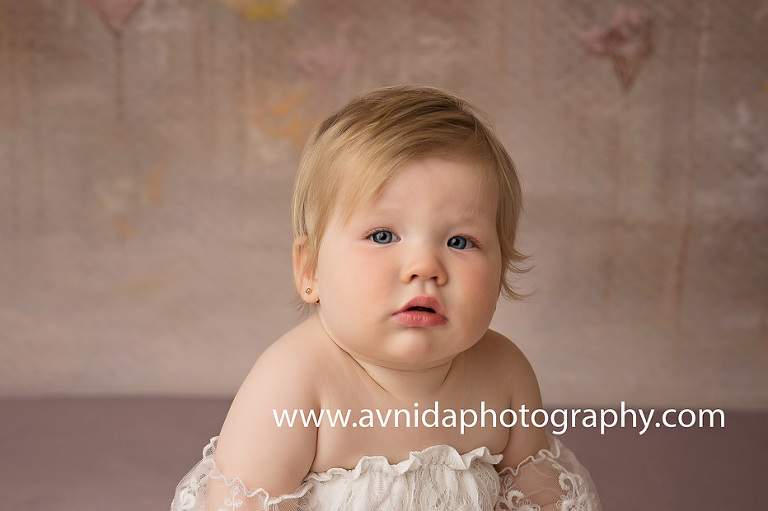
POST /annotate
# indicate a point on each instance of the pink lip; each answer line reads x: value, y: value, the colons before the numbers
x: 422, y: 318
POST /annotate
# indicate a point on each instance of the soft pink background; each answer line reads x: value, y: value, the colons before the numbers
x: 146, y: 165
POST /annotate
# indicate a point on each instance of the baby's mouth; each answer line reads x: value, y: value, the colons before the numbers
x: 423, y: 309
x: 424, y: 304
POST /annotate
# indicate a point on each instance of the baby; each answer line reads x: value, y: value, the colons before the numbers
x: 405, y: 213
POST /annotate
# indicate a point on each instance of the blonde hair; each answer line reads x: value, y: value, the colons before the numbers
x: 355, y: 152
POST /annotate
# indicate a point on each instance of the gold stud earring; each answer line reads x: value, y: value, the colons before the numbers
x: 308, y: 290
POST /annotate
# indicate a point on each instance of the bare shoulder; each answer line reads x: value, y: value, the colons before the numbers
x: 515, y: 374
x: 509, y: 365
x: 252, y: 446
x: 294, y: 359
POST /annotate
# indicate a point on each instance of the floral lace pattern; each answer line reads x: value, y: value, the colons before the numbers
x: 435, y: 478
x: 205, y: 488
x: 551, y: 480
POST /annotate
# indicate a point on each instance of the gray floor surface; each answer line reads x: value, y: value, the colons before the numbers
x: 129, y: 454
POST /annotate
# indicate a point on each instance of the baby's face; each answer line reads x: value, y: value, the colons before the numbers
x: 412, y: 279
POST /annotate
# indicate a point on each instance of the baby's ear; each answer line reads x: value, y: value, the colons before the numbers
x: 303, y: 273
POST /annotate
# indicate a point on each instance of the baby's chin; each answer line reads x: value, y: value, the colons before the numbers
x: 418, y: 355
x: 410, y: 349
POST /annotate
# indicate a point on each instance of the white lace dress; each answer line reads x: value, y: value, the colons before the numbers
x: 435, y: 478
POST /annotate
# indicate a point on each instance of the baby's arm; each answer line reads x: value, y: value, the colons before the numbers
x: 251, y: 445
x: 520, y: 379
x: 534, y: 473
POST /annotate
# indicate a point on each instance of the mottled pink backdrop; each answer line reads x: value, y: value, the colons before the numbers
x: 147, y: 151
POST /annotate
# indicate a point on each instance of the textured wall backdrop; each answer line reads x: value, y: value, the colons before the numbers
x: 147, y: 152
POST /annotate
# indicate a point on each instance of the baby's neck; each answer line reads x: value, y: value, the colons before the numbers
x: 402, y: 383
x: 409, y: 385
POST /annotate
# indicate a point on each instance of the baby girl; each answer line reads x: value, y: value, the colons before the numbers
x: 405, y: 213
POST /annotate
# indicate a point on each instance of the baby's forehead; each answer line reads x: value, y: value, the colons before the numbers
x: 456, y: 187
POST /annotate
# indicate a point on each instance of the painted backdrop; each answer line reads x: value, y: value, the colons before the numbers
x: 147, y: 152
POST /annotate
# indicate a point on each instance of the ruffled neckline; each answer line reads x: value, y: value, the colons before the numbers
x: 436, y: 455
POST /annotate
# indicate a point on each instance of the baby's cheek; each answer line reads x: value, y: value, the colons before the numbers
x: 485, y: 279
x: 484, y: 287
x: 364, y: 280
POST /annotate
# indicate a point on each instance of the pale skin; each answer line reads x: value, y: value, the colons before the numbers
x: 429, y: 235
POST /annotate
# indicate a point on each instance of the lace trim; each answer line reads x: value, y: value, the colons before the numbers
x: 215, y: 473
x: 552, y: 479
x: 443, y: 455
x: 542, y: 455
x: 192, y: 488
x: 575, y: 488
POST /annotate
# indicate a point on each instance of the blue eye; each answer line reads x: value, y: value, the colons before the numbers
x: 460, y: 242
x: 382, y: 237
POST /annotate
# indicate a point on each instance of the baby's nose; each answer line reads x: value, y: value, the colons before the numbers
x: 426, y: 265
